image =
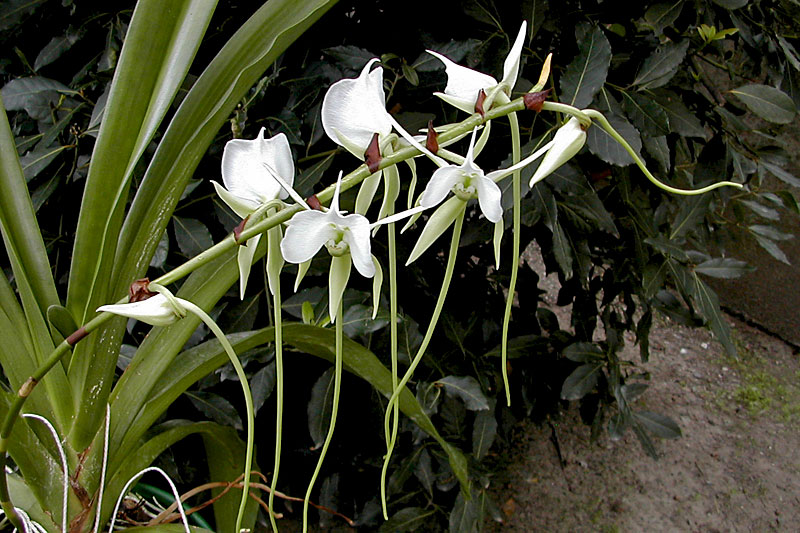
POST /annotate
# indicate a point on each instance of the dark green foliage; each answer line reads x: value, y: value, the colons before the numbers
x: 624, y: 251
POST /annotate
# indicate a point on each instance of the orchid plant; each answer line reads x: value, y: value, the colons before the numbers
x: 257, y: 183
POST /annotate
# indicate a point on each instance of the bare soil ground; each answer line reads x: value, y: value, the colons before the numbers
x: 736, y: 468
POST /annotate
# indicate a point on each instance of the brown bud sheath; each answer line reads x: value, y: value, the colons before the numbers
x: 534, y: 101
x: 77, y: 335
x: 27, y: 387
x: 432, y: 141
x: 372, y: 157
x: 237, y: 231
x: 314, y: 203
x: 479, y: 103
x: 138, y: 291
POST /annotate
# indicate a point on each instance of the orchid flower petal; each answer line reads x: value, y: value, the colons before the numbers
x: 243, y: 172
x: 308, y: 231
x: 353, y: 110
x: 439, y: 186
x: 357, y: 238
x: 463, y: 84
x: 156, y: 310
x: 240, y: 205
x: 511, y: 64
x: 568, y: 141
x: 489, y: 198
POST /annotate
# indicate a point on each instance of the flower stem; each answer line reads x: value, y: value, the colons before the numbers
x: 600, y: 119
x: 391, y: 435
x: 517, y: 188
x: 276, y: 298
x: 448, y: 276
x: 248, y: 399
x: 337, y: 386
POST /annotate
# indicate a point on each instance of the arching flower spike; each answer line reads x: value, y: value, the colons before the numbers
x: 464, y: 84
x: 467, y: 181
x: 249, y: 169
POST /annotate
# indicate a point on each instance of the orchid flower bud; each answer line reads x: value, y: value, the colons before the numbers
x: 568, y: 141
x: 156, y: 310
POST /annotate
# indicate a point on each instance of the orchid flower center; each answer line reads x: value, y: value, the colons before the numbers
x: 336, y: 245
x: 465, y: 190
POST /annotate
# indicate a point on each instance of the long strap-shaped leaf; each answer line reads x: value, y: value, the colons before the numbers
x: 29, y: 261
x: 161, y: 42
x: 159, y: 48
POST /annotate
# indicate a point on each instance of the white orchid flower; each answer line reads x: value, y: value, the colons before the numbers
x: 252, y: 172
x: 465, y: 84
x: 354, y: 110
x: 568, y: 141
x: 310, y: 230
x: 466, y: 181
x: 156, y: 310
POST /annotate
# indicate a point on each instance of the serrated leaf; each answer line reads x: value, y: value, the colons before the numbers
x: 465, y: 516
x: 308, y: 178
x: 192, y: 235
x: 562, y: 250
x: 216, y: 407
x: 262, y: 384
x: 160, y: 257
x: 55, y: 48
x: 587, y: 73
x: 424, y: 470
x: 723, y: 267
x: 731, y: 4
x: 668, y: 248
x: 468, y: 389
x: 693, y: 210
x: 350, y: 56
x: 320, y: 407
x: 606, y: 148
x: 590, y: 209
x: 708, y: 306
x: 663, y: 15
x: 407, y: 519
x: 770, y: 232
x: 761, y: 210
x: 38, y: 159
x: 767, y: 102
x: 12, y: 11
x: 581, y: 382
x: 660, y: 425
x: 455, y: 51
x: 681, y: 120
x: 661, y: 65
x: 647, y: 115
x: 658, y: 148
x: 772, y: 248
x: 484, y: 431
x: 583, y: 352
x: 33, y: 94
x: 780, y: 173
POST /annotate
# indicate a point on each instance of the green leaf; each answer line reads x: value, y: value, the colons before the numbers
x: 581, y: 382
x: 304, y: 184
x: 780, y: 173
x: 693, y: 210
x: 681, y: 120
x: 587, y: 73
x: 767, y: 102
x: 217, y: 408
x: 647, y: 115
x: 484, y: 431
x: 661, y: 425
x: 562, y: 251
x: 320, y: 407
x: 12, y: 11
x: 663, y: 15
x: 465, y: 516
x: 583, y: 352
x: 772, y: 248
x: 731, y: 4
x: 424, y: 471
x: 761, y: 210
x: 350, y: 56
x: 770, y: 232
x: 408, y: 519
x: 723, y: 267
x: 192, y: 235
x: 33, y: 94
x: 38, y: 159
x: 604, y: 146
x: 262, y: 384
x: 708, y: 306
x: 55, y: 48
x: 661, y: 65
x: 658, y: 148
x: 468, y: 389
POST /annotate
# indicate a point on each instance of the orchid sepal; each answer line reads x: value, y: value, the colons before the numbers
x: 568, y: 141
x: 156, y: 310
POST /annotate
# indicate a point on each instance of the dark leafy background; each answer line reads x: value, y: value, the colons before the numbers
x: 698, y: 100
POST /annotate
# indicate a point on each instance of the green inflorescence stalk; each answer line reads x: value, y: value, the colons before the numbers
x: 276, y: 298
x: 337, y: 386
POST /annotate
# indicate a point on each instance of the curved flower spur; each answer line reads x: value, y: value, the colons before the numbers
x: 254, y: 173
